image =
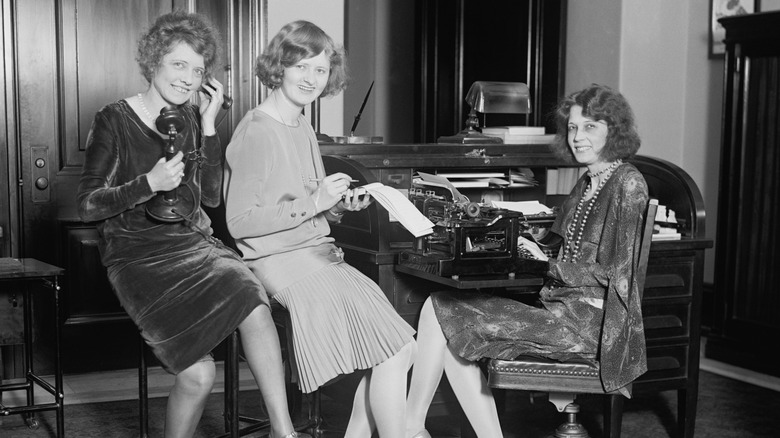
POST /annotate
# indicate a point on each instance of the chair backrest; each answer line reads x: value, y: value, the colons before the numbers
x: 647, y: 240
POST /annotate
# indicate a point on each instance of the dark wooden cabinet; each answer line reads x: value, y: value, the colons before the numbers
x: 462, y: 41
x: 671, y: 303
x: 747, y: 256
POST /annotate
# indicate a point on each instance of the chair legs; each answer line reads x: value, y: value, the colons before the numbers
x: 571, y: 428
x: 613, y: 416
x: 143, y: 391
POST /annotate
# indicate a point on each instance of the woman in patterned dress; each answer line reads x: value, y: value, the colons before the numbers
x: 601, y: 229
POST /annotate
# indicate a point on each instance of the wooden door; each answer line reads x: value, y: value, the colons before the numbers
x: 72, y: 58
x: 67, y: 59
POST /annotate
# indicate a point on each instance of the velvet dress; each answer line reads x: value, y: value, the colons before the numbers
x: 183, y: 288
x: 341, y: 319
x: 590, y: 309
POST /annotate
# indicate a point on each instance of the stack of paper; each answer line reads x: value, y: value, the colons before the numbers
x: 513, y: 130
x: 519, y: 134
x: 523, y: 177
x: 401, y: 208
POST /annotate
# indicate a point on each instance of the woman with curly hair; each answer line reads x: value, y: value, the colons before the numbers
x: 184, y: 289
x: 280, y: 203
x: 600, y: 227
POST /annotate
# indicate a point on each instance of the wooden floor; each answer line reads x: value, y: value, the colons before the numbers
x: 123, y: 384
x: 727, y: 408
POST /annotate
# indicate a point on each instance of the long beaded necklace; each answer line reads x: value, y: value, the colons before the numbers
x: 143, y: 107
x: 305, y: 179
x: 575, y: 230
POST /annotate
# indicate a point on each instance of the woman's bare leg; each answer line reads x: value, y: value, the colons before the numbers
x: 187, y: 399
x: 465, y: 377
x: 263, y: 354
x: 427, y: 370
x: 380, y: 398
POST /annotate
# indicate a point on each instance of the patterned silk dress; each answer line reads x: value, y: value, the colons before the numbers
x: 589, y: 309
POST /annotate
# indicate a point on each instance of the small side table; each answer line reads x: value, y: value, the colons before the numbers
x: 26, y: 270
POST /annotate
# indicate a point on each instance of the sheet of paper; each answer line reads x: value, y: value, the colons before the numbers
x: 525, y: 207
x: 399, y: 207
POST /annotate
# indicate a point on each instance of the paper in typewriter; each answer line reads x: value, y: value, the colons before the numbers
x: 401, y: 208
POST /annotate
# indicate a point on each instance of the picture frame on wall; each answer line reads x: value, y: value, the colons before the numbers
x: 726, y: 8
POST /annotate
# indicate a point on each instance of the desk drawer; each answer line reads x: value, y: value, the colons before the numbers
x: 666, y: 318
x: 668, y: 277
x: 409, y: 294
x: 666, y: 362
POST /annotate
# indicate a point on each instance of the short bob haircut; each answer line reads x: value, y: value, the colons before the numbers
x: 600, y: 102
x: 171, y: 29
x: 296, y: 41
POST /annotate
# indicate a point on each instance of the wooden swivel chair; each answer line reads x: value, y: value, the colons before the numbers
x: 564, y: 380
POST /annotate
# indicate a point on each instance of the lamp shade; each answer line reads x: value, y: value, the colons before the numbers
x: 499, y: 97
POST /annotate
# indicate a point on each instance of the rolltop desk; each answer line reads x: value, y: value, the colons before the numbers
x: 671, y: 304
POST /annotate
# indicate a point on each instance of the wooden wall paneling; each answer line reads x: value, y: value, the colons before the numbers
x: 746, y: 300
x: 9, y: 221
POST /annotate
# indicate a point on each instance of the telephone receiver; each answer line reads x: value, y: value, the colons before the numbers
x: 227, y: 101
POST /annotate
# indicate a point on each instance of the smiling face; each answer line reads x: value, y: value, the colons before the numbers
x: 304, y: 81
x: 586, y: 136
x: 179, y: 74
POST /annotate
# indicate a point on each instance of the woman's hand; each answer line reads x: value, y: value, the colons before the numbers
x: 166, y: 175
x: 532, y: 248
x: 210, y: 104
x: 354, y: 200
x: 331, y: 191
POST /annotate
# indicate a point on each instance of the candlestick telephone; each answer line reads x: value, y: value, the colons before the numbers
x: 174, y: 205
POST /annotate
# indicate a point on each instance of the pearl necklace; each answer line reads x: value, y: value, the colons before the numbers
x: 604, y: 170
x: 575, y: 230
x: 143, y: 107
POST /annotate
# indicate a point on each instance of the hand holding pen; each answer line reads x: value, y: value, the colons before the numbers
x: 331, y: 190
x: 347, y: 199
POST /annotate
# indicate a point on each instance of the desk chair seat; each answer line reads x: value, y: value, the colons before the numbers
x: 563, y: 380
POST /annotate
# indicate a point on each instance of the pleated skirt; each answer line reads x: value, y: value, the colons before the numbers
x: 342, y: 322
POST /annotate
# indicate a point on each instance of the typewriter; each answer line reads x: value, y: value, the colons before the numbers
x: 470, y: 239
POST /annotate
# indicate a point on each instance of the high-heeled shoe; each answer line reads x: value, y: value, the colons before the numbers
x: 422, y: 434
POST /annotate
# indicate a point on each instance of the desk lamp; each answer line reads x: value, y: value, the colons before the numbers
x: 490, y: 97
